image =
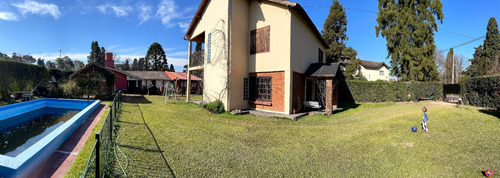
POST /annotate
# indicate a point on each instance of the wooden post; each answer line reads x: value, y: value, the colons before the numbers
x: 97, y: 155
x: 188, y: 82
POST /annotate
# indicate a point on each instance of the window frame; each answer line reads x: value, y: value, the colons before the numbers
x: 209, y: 47
x: 381, y: 72
x: 320, y: 55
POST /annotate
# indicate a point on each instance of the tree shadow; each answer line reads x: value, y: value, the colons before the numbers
x: 135, y: 99
x: 491, y: 112
x: 346, y: 106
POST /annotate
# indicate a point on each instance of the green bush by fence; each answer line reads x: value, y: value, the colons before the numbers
x: 17, y: 76
x: 381, y: 91
x: 482, y: 91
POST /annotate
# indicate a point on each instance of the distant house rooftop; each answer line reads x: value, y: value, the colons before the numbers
x: 181, y: 76
x: 150, y: 75
x: 370, y: 64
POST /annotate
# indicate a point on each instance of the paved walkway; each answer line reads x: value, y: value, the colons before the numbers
x: 61, y: 160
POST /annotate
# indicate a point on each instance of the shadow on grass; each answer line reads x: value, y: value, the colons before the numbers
x: 140, y: 148
x: 136, y: 99
x: 491, y: 112
x: 156, y: 142
x: 346, y: 106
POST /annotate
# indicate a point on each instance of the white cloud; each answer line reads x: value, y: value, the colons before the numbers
x: 119, y: 11
x: 179, y: 53
x: 38, y: 8
x: 179, y: 62
x: 184, y: 26
x: 145, y: 14
x: 8, y: 16
x: 167, y: 11
x: 52, y: 56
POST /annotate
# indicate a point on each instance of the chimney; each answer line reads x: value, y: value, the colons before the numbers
x: 109, y: 62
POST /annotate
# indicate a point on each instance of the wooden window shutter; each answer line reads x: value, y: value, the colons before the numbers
x: 260, y: 40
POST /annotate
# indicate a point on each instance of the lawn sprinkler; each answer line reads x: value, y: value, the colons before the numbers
x: 414, y: 129
x: 488, y: 173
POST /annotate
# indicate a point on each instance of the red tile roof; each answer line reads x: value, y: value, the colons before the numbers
x: 181, y: 76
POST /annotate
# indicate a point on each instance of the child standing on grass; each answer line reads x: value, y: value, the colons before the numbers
x: 424, y: 124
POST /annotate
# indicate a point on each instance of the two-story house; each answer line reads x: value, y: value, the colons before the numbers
x: 259, y: 54
x: 372, y: 71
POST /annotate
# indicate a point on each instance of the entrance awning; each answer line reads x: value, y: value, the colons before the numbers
x: 322, y: 70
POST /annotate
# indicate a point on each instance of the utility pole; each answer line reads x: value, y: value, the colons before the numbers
x: 59, y: 53
x: 453, y: 69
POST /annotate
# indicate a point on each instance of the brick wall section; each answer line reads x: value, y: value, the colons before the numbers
x: 335, y: 97
x: 329, y: 95
x: 298, y: 89
x: 277, y: 94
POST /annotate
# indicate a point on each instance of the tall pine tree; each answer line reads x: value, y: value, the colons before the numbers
x: 485, y: 57
x: 334, y: 32
x: 408, y: 27
x: 134, y: 65
x: 155, y: 58
x: 96, y: 54
x: 172, y: 69
x: 141, y: 64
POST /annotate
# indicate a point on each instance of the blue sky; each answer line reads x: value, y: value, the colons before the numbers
x: 127, y: 27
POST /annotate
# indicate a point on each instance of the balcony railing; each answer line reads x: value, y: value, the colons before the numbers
x: 197, y: 58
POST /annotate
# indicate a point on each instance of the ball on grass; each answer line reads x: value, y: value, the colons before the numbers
x: 488, y: 173
x: 414, y: 129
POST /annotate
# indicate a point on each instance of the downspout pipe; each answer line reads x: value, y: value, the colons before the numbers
x: 229, y: 13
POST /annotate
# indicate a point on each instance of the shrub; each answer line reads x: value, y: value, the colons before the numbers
x: 483, y: 91
x: 382, y: 91
x: 71, y: 89
x: 215, y: 107
x: 18, y: 76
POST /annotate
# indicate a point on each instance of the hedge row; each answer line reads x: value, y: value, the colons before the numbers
x: 380, y: 91
x: 482, y: 91
x: 17, y: 76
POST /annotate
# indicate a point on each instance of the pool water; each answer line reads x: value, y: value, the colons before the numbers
x: 16, y: 140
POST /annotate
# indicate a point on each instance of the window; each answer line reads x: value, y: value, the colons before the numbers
x: 264, y: 88
x: 320, y: 56
x: 245, y: 88
x: 193, y: 85
x: 183, y: 84
x: 209, y: 46
x: 381, y: 73
x: 260, y: 88
x: 260, y: 40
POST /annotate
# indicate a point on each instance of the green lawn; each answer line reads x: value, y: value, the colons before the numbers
x: 367, y: 140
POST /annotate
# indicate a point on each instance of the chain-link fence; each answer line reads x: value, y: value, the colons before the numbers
x: 99, y: 157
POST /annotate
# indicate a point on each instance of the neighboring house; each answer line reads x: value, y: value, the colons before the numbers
x: 140, y: 81
x: 257, y: 55
x: 373, y: 71
x: 180, y: 82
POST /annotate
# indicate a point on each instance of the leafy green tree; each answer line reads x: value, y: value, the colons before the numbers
x: 155, y: 58
x: 78, y: 64
x: 141, y: 64
x: 334, y: 32
x: 449, y: 70
x: 96, y: 54
x: 60, y: 63
x: 172, y: 69
x: 40, y: 62
x: 485, y: 57
x: 50, y: 64
x: 68, y: 63
x: 408, y: 27
x: 126, y: 66
x: 135, y: 65
x: 352, y: 69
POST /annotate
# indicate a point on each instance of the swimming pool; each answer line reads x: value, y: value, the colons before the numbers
x: 33, y: 130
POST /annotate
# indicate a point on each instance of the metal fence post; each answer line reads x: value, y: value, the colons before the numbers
x: 111, y: 127
x: 97, y: 155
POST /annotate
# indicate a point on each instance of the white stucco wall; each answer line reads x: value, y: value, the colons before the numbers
x: 373, y: 74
